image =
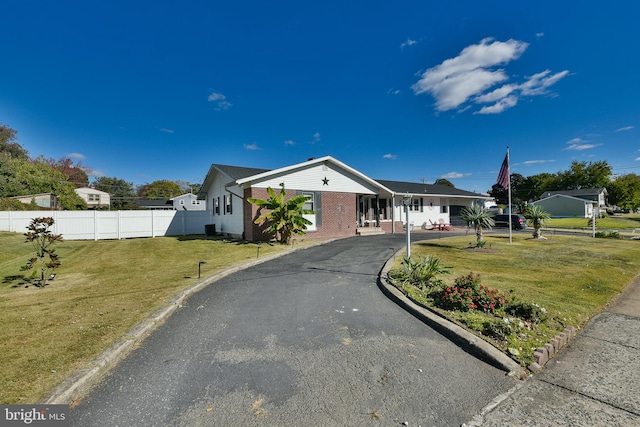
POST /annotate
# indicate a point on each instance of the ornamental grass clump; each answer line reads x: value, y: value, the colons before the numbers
x: 422, y: 274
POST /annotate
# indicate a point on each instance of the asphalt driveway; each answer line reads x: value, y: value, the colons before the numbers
x: 306, y: 339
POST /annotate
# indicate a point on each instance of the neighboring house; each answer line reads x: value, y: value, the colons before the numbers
x: 188, y: 202
x: 345, y: 200
x: 95, y: 198
x: 573, y: 203
x: 561, y: 205
x: 47, y: 201
x: 154, y: 204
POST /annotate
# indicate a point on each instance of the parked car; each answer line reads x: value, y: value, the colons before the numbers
x: 518, y: 222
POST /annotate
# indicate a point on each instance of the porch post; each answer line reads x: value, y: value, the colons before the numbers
x: 377, y: 210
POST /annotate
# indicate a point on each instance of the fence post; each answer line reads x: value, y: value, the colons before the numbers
x: 119, y: 225
x: 153, y: 225
x: 96, y: 226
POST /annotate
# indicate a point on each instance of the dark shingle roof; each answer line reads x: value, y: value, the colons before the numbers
x: 417, y: 188
x: 575, y: 193
x: 239, y: 172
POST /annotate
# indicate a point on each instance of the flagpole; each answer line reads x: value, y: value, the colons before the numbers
x: 509, y: 181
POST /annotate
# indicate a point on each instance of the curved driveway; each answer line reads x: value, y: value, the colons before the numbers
x: 305, y: 339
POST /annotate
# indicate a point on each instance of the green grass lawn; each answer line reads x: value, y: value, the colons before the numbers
x: 624, y: 222
x: 102, y: 289
x: 573, y: 278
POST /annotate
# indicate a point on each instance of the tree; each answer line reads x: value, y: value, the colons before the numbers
x: 585, y: 175
x: 20, y: 177
x: 532, y: 187
x: 502, y: 195
x: 479, y: 218
x: 9, y: 145
x: 284, y: 217
x: 42, y: 238
x: 624, y: 191
x: 537, y: 217
x: 443, y: 181
x: 122, y: 194
x: 76, y: 174
x: 160, y: 189
x: 13, y: 205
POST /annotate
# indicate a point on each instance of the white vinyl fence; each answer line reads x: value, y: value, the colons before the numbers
x: 100, y: 225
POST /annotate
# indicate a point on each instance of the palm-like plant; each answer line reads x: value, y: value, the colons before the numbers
x: 537, y: 217
x: 479, y: 218
x: 284, y: 217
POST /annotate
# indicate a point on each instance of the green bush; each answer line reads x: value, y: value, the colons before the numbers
x: 527, y: 311
x: 468, y: 293
x: 608, y: 235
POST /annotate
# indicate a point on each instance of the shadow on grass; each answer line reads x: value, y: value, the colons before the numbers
x: 221, y: 238
x: 18, y: 280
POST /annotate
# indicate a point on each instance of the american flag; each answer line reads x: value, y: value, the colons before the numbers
x: 503, y: 175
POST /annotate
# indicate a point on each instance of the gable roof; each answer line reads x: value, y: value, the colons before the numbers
x: 311, y: 162
x: 246, y: 176
x: 576, y: 193
x: 416, y: 188
x: 563, y: 196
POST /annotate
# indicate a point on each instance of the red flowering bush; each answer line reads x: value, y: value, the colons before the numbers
x: 468, y: 293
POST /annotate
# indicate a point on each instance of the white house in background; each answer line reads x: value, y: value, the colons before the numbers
x: 188, y: 202
x: 346, y: 201
x: 95, y: 198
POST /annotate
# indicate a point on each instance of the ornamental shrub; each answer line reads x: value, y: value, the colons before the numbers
x: 468, y: 293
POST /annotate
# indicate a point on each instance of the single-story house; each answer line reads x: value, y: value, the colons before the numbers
x: 346, y: 201
x: 46, y: 201
x: 157, y: 204
x: 188, y: 202
x: 573, y: 203
x: 563, y: 206
x: 94, y: 198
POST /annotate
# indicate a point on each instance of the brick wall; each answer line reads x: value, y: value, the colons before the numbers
x: 339, y: 215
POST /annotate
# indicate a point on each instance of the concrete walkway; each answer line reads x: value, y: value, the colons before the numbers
x: 594, y: 381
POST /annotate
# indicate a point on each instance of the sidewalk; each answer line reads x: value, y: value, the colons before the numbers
x: 594, y: 381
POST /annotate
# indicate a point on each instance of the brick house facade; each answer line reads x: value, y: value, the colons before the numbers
x: 345, y: 200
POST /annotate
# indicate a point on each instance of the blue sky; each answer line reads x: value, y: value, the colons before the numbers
x: 404, y: 90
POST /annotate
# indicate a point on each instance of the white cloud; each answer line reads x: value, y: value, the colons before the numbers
x: 453, y: 175
x: 578, y: 144
x: 539, y: 35
x: 77, y: 156
x: 289, y: 142
x: 251, y: 147
x: 167, y: 130
x: 316, y: 138
x: 472, y: 74
x: 534, y: 162
x: 393, y: 91
x: 500, y: 106
x: 624, y: 128
x: 409, y: 42
x: 638, y: 158
x: 220, y: 100
x: 390, y: 156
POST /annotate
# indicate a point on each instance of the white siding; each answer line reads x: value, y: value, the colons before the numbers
x: 312, y: 179
x: 232, y: 223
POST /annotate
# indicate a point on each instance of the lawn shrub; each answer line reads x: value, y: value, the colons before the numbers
x: 608, y: 235
x: 530, y: 312
x: 468, y: 293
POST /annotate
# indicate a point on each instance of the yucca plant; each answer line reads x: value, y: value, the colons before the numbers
x: 480, y: 219
x: 420, y: 273
x: 537, y: 217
